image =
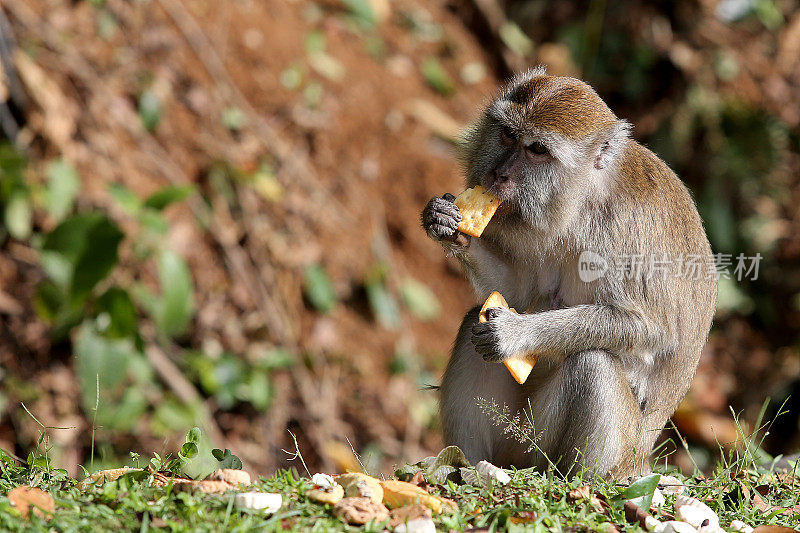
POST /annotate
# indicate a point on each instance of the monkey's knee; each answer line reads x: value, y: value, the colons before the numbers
x: 602, y: 424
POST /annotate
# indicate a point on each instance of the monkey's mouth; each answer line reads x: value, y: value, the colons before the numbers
x: 507, y: 207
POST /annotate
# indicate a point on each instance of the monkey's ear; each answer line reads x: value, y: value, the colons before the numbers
x: 611, y: 143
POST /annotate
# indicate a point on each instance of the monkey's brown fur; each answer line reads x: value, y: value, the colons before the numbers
x: 616, y: 353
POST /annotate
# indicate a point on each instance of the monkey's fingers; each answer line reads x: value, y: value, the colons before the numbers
x: 449, y: 197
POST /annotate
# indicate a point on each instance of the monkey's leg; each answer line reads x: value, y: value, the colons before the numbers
x: 586, y: 416
x: 467, y: 378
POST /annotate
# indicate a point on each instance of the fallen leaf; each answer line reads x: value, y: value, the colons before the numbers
x: 24, y: 497
x: 409, y: 512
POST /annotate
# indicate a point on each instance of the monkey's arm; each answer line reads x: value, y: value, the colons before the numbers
x: 556, y: 334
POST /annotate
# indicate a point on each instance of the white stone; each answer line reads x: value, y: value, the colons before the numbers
x: 675, y: 526
x: 267, y: 502
x: 741, y: 527
x: 489, y: 472
x: 670, y: 485
x: 658, y: 498
x: 417, y: 525
x: 323, y: 481
x: 694, y: 512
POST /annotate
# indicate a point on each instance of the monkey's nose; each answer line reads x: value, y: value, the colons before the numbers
x: 500, y: 177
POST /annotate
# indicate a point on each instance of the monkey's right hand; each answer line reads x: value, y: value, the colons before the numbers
x: 440, y: 219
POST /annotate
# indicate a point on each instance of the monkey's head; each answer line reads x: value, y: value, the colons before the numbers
x: 544, y: 143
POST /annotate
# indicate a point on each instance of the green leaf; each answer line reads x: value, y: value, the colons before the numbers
x: 226, y: 459
x: 125, y: 198
x: 168, y: 195
x: 383, y: 305
x: 118, y: 305
x: 419, y: 299
x: 194, y: 435
x: 149, y: 109
x: 103, y: 361
x: 319, y: 289
x: 19, y: 216
x: 99, y: 257
x: 175, y: 307
x: 89, y: 243
x: 63, y: 186
x: 362, y: 12
x: 189, y: 450
x: 234, y: 118
x: 437, y: 77
x: 640, y: 492
x: 516, y: 39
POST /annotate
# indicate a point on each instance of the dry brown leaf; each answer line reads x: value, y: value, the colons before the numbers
x: 523, y: 517
x: 207, y: 487
x: 358, y: 510
x: 105, y: 476
x: 24, y: 498
x: 231, y: 476
x: 409, y: 512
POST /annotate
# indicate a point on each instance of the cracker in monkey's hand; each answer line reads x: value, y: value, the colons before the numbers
x: 477, y: 206
x: 520, y: 365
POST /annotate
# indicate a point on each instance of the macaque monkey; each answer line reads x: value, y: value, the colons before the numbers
x: 599, y: 247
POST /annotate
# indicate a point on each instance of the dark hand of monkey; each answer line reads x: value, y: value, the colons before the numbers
x: 486, y: 337
x: 440, y: 219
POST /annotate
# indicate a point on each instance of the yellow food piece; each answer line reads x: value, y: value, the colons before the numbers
x: 399, y: 494
x: 356, y: 484
x: 521, y: 366
x: 331, y: 497
x: 477, y: 206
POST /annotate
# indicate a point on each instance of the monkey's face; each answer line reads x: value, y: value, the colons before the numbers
x: 537, y: 146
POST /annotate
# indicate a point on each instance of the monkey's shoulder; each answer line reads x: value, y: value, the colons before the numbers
x: 645, y: 177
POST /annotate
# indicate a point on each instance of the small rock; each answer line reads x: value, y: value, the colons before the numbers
x: 358, y: 511
x: 231, y: 476
x: 356, y: 484
x: 741, y: 527
x: 489, y: 472
x: 694, y: 512
x: 330, y: 496
x: 658, y: 498
x: 670, y: 485
x: 418, y: 525
x: 323, y: 481
x: 267, y: 502
x: 675, y: 526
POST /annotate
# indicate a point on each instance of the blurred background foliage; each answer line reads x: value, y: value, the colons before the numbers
x: 210, y: 211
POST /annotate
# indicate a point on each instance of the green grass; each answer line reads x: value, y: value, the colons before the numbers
x: 532, y: 501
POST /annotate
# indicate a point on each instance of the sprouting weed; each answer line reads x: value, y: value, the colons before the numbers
x: 513, y: 424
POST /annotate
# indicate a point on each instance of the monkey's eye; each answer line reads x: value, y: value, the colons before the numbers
x: 507, y: 135
x: 537, y: 148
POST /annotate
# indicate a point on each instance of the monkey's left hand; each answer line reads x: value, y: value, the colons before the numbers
x: 501, y: 336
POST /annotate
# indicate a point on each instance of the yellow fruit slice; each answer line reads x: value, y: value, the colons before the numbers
x: 520, y: 366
